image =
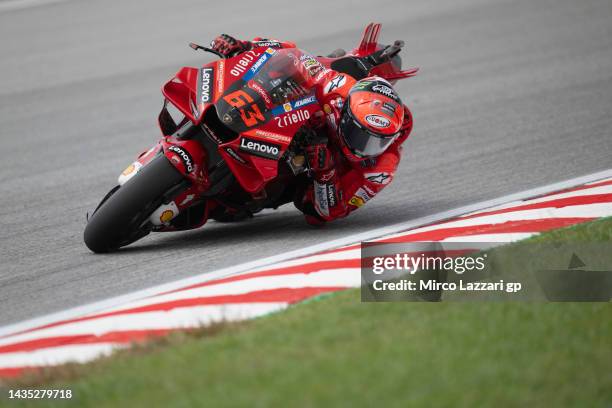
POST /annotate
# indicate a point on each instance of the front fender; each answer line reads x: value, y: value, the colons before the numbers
x: 143, y: 159
x: 189, y: 158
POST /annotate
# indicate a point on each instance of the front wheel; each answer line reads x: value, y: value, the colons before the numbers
x: 121, y: 217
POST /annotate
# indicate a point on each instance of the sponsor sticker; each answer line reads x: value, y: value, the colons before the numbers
x: 362, y: 85
x: 321, y: 74
x: 166, y: 216
x: 368, y: 190
x: 267, y: 43
x: 234, y: 155
x: 315, y: 70
x: 356, y: 201
x: 262, y: 92
x: 259, y: 64
x: 241, y: 66
x: 378, y: 121
x: 320, y: 196
x: 292, y: 118
x: 260, y: 148
x: 128, y: 170
x: 184, y: 156
x: 360, y: 198
x: 389, y: 108
x: 304, y: 101
x: 338, y: 103
x: 220, y: 74
x: 311, y: 64
x: 290, y: 113
x: 205, y: 84
x: 212, y: 135
x: 330, y: 116
x: 273, y: 136
x: 385, y: 90
x: 289, y: 106
x: 363, y: 194
x: 332, y: 197
x: 334, y: 83
x: 379, y: 178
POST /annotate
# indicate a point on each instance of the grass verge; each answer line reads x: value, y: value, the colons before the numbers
x: 338, y: 351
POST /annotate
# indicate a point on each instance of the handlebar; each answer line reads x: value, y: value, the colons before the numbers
x: 200, y: 47
x: 384, y: 55
x: 393, y: 50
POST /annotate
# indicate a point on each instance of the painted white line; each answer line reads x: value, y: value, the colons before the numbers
x: 596, y: 181
x: 365, y: 236
x: 332, y: 256
x: 503, y: 237
x: 586, y: 192
x: 576, y: 211
x: 179, y: 318
x: 80, y: 353
x: 297, y: 280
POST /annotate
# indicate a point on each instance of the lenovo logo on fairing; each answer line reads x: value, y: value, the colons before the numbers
x: 185, y: 157
x: 205, y: 95
x: 259, y: 148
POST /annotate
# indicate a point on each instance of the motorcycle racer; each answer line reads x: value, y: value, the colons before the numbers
x: 352, y: 147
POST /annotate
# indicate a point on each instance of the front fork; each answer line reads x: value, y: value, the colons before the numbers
x: 189, y: 158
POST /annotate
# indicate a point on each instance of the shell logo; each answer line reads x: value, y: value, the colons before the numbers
x: 166, y: 216
x: 129, y: 170
x: 356, y: 201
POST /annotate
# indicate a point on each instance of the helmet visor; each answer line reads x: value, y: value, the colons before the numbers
x: 361, y: 141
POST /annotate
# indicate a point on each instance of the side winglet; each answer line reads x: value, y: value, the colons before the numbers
x: 402, y: 74
x: 369, y: 38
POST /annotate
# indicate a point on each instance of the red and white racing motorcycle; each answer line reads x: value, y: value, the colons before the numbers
x: 226, y: 149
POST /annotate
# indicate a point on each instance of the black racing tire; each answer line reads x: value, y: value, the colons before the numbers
x: 118, y: 219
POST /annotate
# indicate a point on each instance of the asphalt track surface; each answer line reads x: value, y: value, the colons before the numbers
x: 512, y: 95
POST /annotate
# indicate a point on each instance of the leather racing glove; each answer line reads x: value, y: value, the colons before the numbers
x: 229, y: 46
x: 318, y: 155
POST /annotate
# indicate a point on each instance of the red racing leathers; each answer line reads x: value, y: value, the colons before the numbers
x: 348, y: 185
x: 340, y: 186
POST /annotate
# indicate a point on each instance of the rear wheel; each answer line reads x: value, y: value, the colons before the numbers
x: 122, y: 216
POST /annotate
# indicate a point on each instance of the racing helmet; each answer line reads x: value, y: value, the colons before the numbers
x: 372, y: 118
